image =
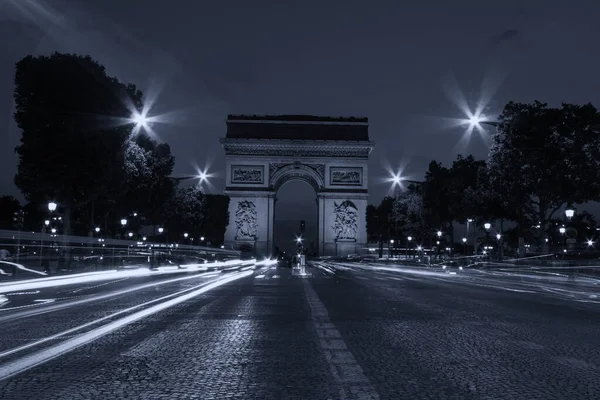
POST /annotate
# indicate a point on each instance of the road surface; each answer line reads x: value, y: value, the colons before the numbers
x: 346, y: 332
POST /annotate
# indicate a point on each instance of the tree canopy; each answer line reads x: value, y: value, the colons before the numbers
x: 73, y: 137
x: 543, y: 158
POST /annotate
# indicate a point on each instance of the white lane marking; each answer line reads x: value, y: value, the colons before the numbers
x: 345, y: 369
x: 259, y: 276
x: 275, y: 276
x: 45, y: 300
x: 33, y: 360
x: 21, y: 293
x: 97, y: 286
x: 3, y: 299
x: 29, y: 313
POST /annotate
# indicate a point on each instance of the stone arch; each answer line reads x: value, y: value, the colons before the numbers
x: 296, y: 172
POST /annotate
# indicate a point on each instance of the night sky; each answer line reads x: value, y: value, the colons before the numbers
x: 402, y: 65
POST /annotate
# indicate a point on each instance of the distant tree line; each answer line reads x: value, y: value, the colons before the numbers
x: 542, y: 160
x: 81, y: 149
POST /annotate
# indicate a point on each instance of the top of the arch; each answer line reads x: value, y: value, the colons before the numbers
x: 297, y: 127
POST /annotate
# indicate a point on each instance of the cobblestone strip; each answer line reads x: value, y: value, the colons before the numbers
x: 345, y: 369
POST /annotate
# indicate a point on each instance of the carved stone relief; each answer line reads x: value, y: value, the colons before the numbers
x: 247, y: 174
x: 346, y: 176
x: 246, y: 217
x: 345, y: 225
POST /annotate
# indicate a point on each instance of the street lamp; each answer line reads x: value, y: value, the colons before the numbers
x: 52, y: 206
x: 97, y: 229
x: 185, y: 235
x: 130, y: 234
x: 161, y: 230
x: 487, y: 226
x: 562, y: 230
x: 47, y: 222
x: 408, y: 240
x: 202, y: 238
x: 498, y: 236
x: 569, y: 212
x: 123, y: 222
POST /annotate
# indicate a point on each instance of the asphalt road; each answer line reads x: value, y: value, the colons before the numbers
x: 343, y: 333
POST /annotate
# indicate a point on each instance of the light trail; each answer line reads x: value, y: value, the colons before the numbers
x: 101, y: 276
x: 63, y: 305
x: 13, y: 368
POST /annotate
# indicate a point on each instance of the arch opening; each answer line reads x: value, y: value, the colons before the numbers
x: 296, y: 203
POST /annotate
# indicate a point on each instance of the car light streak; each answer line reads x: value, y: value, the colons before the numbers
x: 10, y: 369
x: 61, y: 306
x: 97, y: 276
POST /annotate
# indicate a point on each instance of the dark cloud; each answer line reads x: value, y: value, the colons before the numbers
x: 507, y: 36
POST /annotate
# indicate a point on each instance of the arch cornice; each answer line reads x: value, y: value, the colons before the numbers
x: 296, y: 172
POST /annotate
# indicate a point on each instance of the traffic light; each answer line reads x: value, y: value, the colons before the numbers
x: 302, y: 226
x: 18, y: 219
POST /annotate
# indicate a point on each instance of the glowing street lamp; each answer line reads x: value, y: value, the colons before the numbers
x: 409, y: 238
x: 202, y: 238
x: 161, y: 230
x: 52, y: 206
x: 487, y: 226
x: 123, y: 222
x: 498, y: 236
x: 439, y: 234
x: 569, y: 213
x: 185, y: 235
x: 464, y: 240
x: 562, y: 230
x: 47, y: 222
x: 130, y: 234
x: 97, y: 229
x: 590, y: 242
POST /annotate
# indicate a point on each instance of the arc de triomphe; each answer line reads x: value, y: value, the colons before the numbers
x: 331, y: 154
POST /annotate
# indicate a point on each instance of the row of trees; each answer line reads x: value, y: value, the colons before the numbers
x: 80, y: 147
x: 542, y: 160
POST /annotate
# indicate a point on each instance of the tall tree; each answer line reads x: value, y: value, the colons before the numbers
x: 185, y: 213
x: 216, y: 218
x: 73, y: 138
x: 546, y: 158
x: 436, y: 192
x: 410, y: 215
x: 465, y: 187
x: 147, y: 186
x: 8, y: 206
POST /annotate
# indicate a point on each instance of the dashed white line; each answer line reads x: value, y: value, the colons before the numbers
x: 345, y: 369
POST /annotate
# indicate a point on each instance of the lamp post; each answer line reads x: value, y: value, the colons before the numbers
x: 500, y: 246
x: 464, y: 240
x: 408, y: 240
x: 439, y: 235
x: 123, y: 224
x: 390, y: 248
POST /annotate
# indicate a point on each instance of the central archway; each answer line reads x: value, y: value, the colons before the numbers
x: 303, y: 175
x: 296, y: 216
x: 329, y: 154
